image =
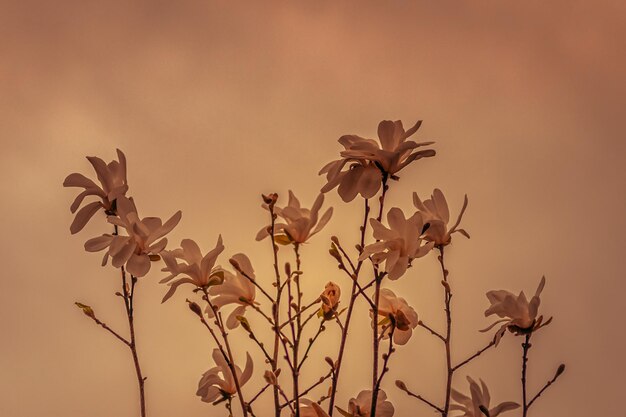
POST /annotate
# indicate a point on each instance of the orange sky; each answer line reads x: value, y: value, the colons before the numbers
x: 216, y: 102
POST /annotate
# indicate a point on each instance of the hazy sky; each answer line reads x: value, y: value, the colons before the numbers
x: 216, y: 102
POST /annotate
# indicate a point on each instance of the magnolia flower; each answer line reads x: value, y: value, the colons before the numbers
x: 368, y: 161
x: 142, y: 241
x: 113, y: 182
x: 399, y: 244
x: 310, y: 408
x: 362, y: 404
x: 479, y: 397
x: 213, y: 387
x: 436, y: 214
x: 300, y: 223
x: 518, y: 314
x: 397, y: 313
x: 330, y: 300
x: 197, y: 270
x: 236, y: 289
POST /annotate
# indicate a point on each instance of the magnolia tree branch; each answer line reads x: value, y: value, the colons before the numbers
x: 346, y: 326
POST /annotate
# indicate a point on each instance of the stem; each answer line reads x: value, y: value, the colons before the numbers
x: 447, y: 297
x: 128, y: 295
x: 378, y: 277
x: 344, y: 333
x: 525, y: 347
x: 474, y: 356
x: 228, y: 355
x: 386, y: 357
x: 128, y: 302
x: 275, y: 310
x: 550, y: 382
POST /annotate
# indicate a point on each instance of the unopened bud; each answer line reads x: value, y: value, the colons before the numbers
x: 193, y: 306
x: 560, y: 370
x: 154, y: 257
x: 288, y: 269
x: 401, y: 385
x: 270, y: 377
x: 86, y: 309
x: 334, y: 239
x: 330, y: 362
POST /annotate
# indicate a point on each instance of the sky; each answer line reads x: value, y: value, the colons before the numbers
x: 216, y: 102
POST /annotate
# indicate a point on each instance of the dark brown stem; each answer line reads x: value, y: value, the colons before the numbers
x: 419, y: 397
x: 386, y: 358
x: 525, y: 347
x: 344, y: 333
x: 129, y: 299
x: 228, y: 355
x: 433, y: 332
x: 558, y: 373
x: 275, y: 309
x: 447, y: 340
x: 474, y: 356
x: 378, y: 277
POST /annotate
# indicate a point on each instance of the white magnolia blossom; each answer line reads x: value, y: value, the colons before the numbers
x: 310, y: 408
x: 518, y: 314
x: 213, y: 387
x: 142, y: 241
x: 437, y: 216
x: 196, y: 269
x: 367, y: 159
x: 397, y: 245
x: 470, y: 406
x: 113, y: 184
x: 236, y: 289
x: 397, y: 309
x: 300, y: 223
x: 361, y: 405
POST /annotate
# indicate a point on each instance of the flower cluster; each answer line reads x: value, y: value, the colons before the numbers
x: 388, y: 248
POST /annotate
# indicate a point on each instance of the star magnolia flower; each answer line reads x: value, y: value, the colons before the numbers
x: 330, y: 300
x: 367, y: 160
x: 398, y: 311
x: 113, y: 182
x: 310, y: 408
x: 479, y: 397
x: 399, y: 245
x: 197, y: 270
x: 236, y: 289
x: 436, y: 214
x: 213, y: 387
x: 142, y: 241
x: 518, y: 314
x: 362, y: 404
x: 299, y: 222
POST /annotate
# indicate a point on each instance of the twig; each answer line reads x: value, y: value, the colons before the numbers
x: 433, y: 332
x: 474, y: 356
x: 558, y: 373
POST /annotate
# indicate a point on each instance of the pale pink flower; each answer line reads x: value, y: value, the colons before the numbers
x: 436, y: 215
x: 470, y: 406
x: 397, y: 311
x: 196, y: 269
x: 300, y: 223
x: 368, y: 161
x: 330, y: 300
x: 310, y: 408
x: 142, y: 241
x: 361, y: 405
x: 235, y: 289
x: 213, y: 387
x: 518, y: 314
x: 399, y: 244
x: 112, y: 177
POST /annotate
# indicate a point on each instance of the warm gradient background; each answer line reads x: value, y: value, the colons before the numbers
x: 216, y: 102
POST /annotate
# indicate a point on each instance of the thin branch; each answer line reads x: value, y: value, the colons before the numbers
x: 558, y: 373
x: 475, y: 355
x: 433, y: 332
